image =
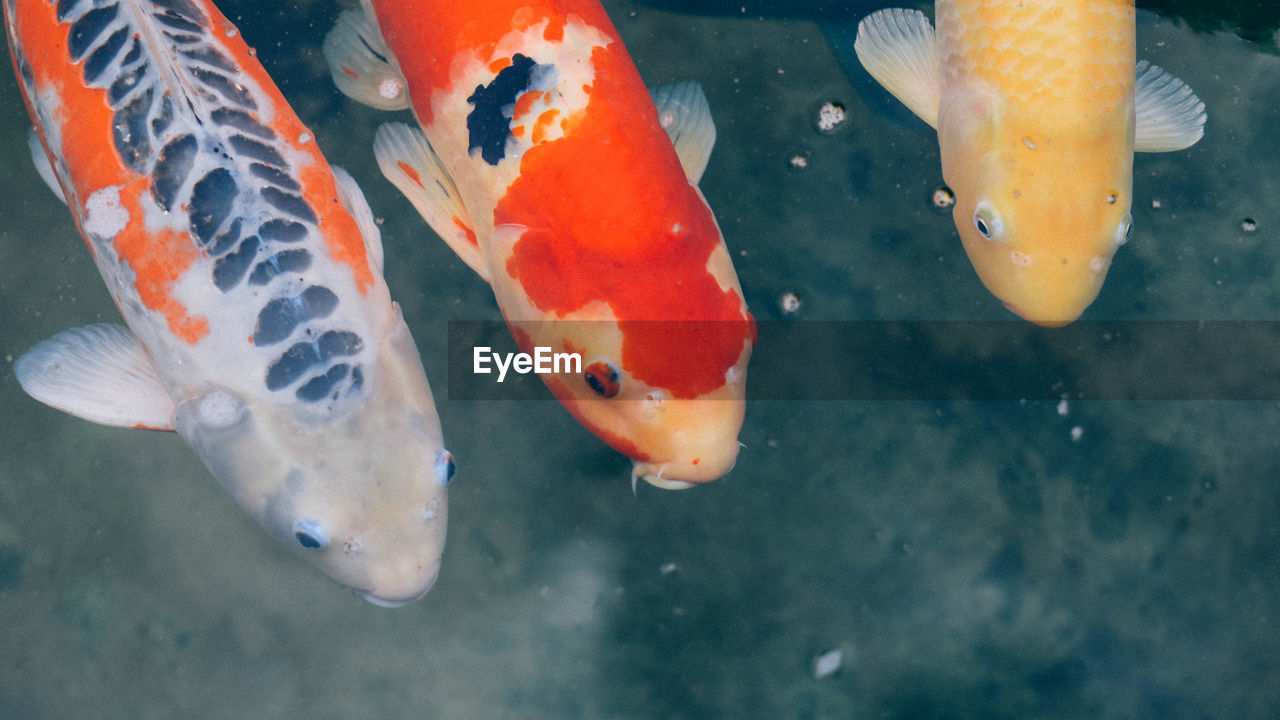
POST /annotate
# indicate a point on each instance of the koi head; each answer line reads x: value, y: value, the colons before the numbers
x: 1041, y: 209
x: 675, y: 437
x: 359, y: 492
x: 696, y: 440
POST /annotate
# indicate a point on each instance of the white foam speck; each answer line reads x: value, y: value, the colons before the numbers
x: 826, y: 664
x: 104, y: 215
x: 304, y: 138
x: 1063, y: 407
x: 830, y: 116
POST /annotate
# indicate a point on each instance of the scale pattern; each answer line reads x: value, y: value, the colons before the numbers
x: 188, y: 119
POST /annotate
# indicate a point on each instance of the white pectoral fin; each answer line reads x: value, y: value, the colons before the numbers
x: 41, y: 160
x: 1168, y: 115
x: 353, y: 198
x: 684, y: 113
x: 407, y: 160
x: 100, y: 373
x: 898, y: 48
x: 361, y: 65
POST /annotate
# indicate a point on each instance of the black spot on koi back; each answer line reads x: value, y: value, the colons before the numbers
x: 489, y: 124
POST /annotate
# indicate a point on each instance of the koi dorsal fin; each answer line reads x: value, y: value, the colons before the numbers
x: 407, y: 160
x: 361, y: 65
x: 100, y: 373
x: 684, y: 113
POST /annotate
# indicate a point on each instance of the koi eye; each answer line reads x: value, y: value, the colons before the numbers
x: 310, y: 535
x: 603, y: 378
x: 445, y: 468
x: 1125, y: 230
x: 987, y: 221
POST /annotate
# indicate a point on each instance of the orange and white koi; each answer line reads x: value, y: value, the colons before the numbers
x: 249, y: 274
x: 1039, y: 107
x: 545, y: 166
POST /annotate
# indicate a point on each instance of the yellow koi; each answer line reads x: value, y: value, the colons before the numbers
x: 1039, y: 106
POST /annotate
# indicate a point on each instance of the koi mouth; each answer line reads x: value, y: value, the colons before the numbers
x: 1042, y: 322
x: 665, y: 484
x: 646, y: 472
x: 394, y: 602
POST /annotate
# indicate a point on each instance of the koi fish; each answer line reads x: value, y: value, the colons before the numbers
x: 550, y: 170
x: 260, y: 327
x: 1039, y: 107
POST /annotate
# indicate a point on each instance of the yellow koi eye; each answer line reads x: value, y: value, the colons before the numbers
x: 987, y: 221
x: 603, y: 379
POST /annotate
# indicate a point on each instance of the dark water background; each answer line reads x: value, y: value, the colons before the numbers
x: 970, y: 560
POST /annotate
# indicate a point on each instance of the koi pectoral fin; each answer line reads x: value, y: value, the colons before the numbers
x: 353, y: 199
x: 684, y: 113
x: 100, y: 373
x: 1168, y: 115
x: 41, y: 160
x: 407, y: 160
x: 898, y: 48
x: 362, y: 66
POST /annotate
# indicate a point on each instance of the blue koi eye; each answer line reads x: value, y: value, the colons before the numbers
x: 310, y: 535
x: 1124, y: 231
x: 603, y: 379
x: 987, y: 221
x: 445, y: 468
